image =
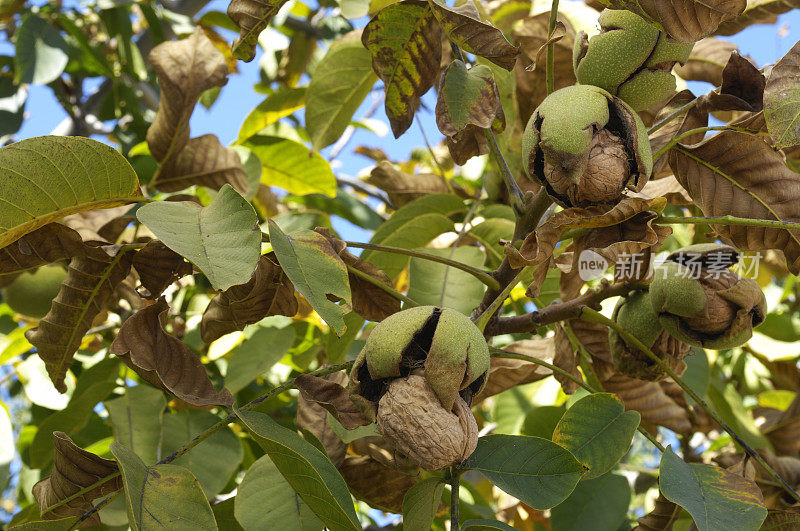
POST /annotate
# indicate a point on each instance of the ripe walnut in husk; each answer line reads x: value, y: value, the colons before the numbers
x: 586, y: 147
x: 635, y: 314
x: 416, y: 375
x: 630, y: 59
x: 700, y: 301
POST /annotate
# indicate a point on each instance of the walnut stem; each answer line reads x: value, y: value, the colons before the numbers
x: 593, y: 316
x: 550, y: 48
x: 455, y: 483
x: 727, y: 220
x: 672, y: 116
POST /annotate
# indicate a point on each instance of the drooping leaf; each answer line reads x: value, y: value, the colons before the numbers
x: 165, y: 361
x: 221, y: 239
x: 376, y: 480
x: 74, y: 469
x: 136, y: 419
x: 85, y: 292
x: 533, y: 470
x: 403, y: 187
x: 265, y: 498
x: 693, y: 118
x: 405, y: 43
x: 162, y: 496
x: 202, y: 161
x: 334, y: 397
x: 507, y: 373
x: 290, y: 165
x: 565, y: 358
x: 316, y: 270
x: 466, y: 28
x: 41, y: 52
x: 306, y: 469
x: 757, y: 12
x: 781, y: 521
x: 214, y: 460
x: 716, y: 498
x: 664, y: 514
x: 683, y: 20
x: 650, y: 400
x: 598, y: 431
x: 437, y: 284
x: 268, y: 292
x: 741, y: 175
x: 468, y: 97
x: 104, y: 225
x: 782, y: 100
x: 185, y: 69
x: 742, y: 87
x: 729, y: 405
x: 278, y: 105
x: 706, y: 61
x: 315, y: 419
x: 45, y: 245
x: 252, y: 17
x: 599, y: 504
x: 250, y: 360
x: 421, y: 502
x: 341, y: 81
x: 158, y: 266
x: 49, y: 177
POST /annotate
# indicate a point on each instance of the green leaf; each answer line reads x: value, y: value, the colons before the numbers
x: 542, y: 421
x: 432, y: 283
x: 491, y: 233
x: 136, y: 419
x: 290, y: 165
x: 697, y: 374
x: 420, y: 503
x: 222, y: 239
x: 467, y: 97
x: 782, y: 100
x: 214, y: 460
x: 413, y: 226
x: 598, y: 431
x: 265, y: 499
x: 730, y: 406
x: 252, y: 17
x: 485, y: 525
x: 250, y: 359
x: 716, y: 498
x: 306, y: 469
x: 344, y: 205
x: 533, y: 470
x: 599, y: 504
x: 224, y: 515
x: 41, y: 52
x: 316, y: 271
x: 341, y: 81
x: 49, y: 177
x: 162, y: 496
x: 278, y: 105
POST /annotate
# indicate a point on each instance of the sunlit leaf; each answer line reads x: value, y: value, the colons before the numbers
x: 290, y: 165
x: 278, y: 105
x: 421, y: 502
x: 41, y: 51
x: 136, y: 419
x: 782, y: 100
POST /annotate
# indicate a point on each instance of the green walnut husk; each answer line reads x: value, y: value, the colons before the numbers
x: 586, y: 147
x: 635, y: 314
x: 630, y: 59
x: 700, y: 301
x: 441, y: 342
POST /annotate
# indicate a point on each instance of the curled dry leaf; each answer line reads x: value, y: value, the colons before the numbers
x: 668, y: 187
x: 74, y: 469
x: 782, y: 101
x: 650, y: 400
x: 692, y: 119
x: 403, y: 187
x: 506, y: 373
x: 334, y: 398
x: 268, y: 292
x: 466, y: 28
x: 782, y: 428
x: 468, y: 143
x: 252, y: 17
x: 371, y: 481
x: 707, y: 60
x: 85, y: 293
x: 185, y: 70
x: 741, y: 175
x: 566, y: 359
x: 757, y: 12
x: 742, y: 87
x: 664, y: 514
x: 45, y: 245
x: 406, y: 46
x: 103, y: 225
x: 164, y: 361
x: 313, y: 417
x: 158, y: 266
x: 684, y: 20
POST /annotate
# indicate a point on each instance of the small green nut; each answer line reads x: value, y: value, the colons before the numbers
x: 629, y: 58
x: 586, y: 147
x: 31, y: 293
x: 635, y: 314
x: 700, y: 301
x: 442, y: 344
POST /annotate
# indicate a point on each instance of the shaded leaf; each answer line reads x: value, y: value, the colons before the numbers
x: 317, y: 271
x: 664, y: 514
x: 252, y: 17
x: 290, y: 165
x: 85, y: 292
x: 104, y: 226
x: 334, y: 398
x: 202, y: 161
x: 41, y: 51
x: 54, y: 176
x: 164, y: 361
x: 507, y: 373
x: 221, y: 239
x: 706, y: 61
x: 376, y: 483
x: 264, y: 497
x: 432, y: 283
x: 599, y: 504
x: 340, y: 82
x: 268, y: 292
x: 421, y: 502
x: 45, y: 245
x: 278, y: 105
x: 468, y: 97
x: 466, y: 28
x: 158, y: 266
x: 136, y: 420
x: 781, y: 521
x: 165, y: 496
x: 306, y: 469
x: 650, y: 400
x: 74, y: 469
x: 565, y: 358
x: 403, y: 187
x: 716, y: 498
x: 535, y: 471
x: 782, y: 100
x: 485, y: 525
x: 598, y: 431
x: 757, y: 12
x: 315, y: 419
x: 405, y: 43
x: 250, y: 360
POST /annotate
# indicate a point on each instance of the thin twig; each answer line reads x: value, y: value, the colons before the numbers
x: 676, y: 140
x: 675, y: 114
x: 483, y: 319
x: 551, y: 48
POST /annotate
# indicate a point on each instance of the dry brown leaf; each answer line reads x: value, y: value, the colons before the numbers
x: 782, y: 428
x: 741, y: 175
x: 566, y: 359
x: 164, y: 361
x: 202, y: 161
x: 103, y: 225
x: 314, y: 418
x: 594, y: 339
x: 757, y: 12
x: 468, y: 143
x: 661, y: 518
x: 742, y: 88
x: 185, y: 69
x: 684, y: 20
x: 159, y: 266
x: 85, y: 293
x: 668, y: 187
x: 403, y: 187
x: 334, y: 398
x: 268, y: 292
x: 707, y: 60
x: 376, y: 484
x: 650, y: 400
x: 45, y: 245
x: 692, y: 119
x: 252, y: 17
x: 74, y: 469
x: 506, y: 373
